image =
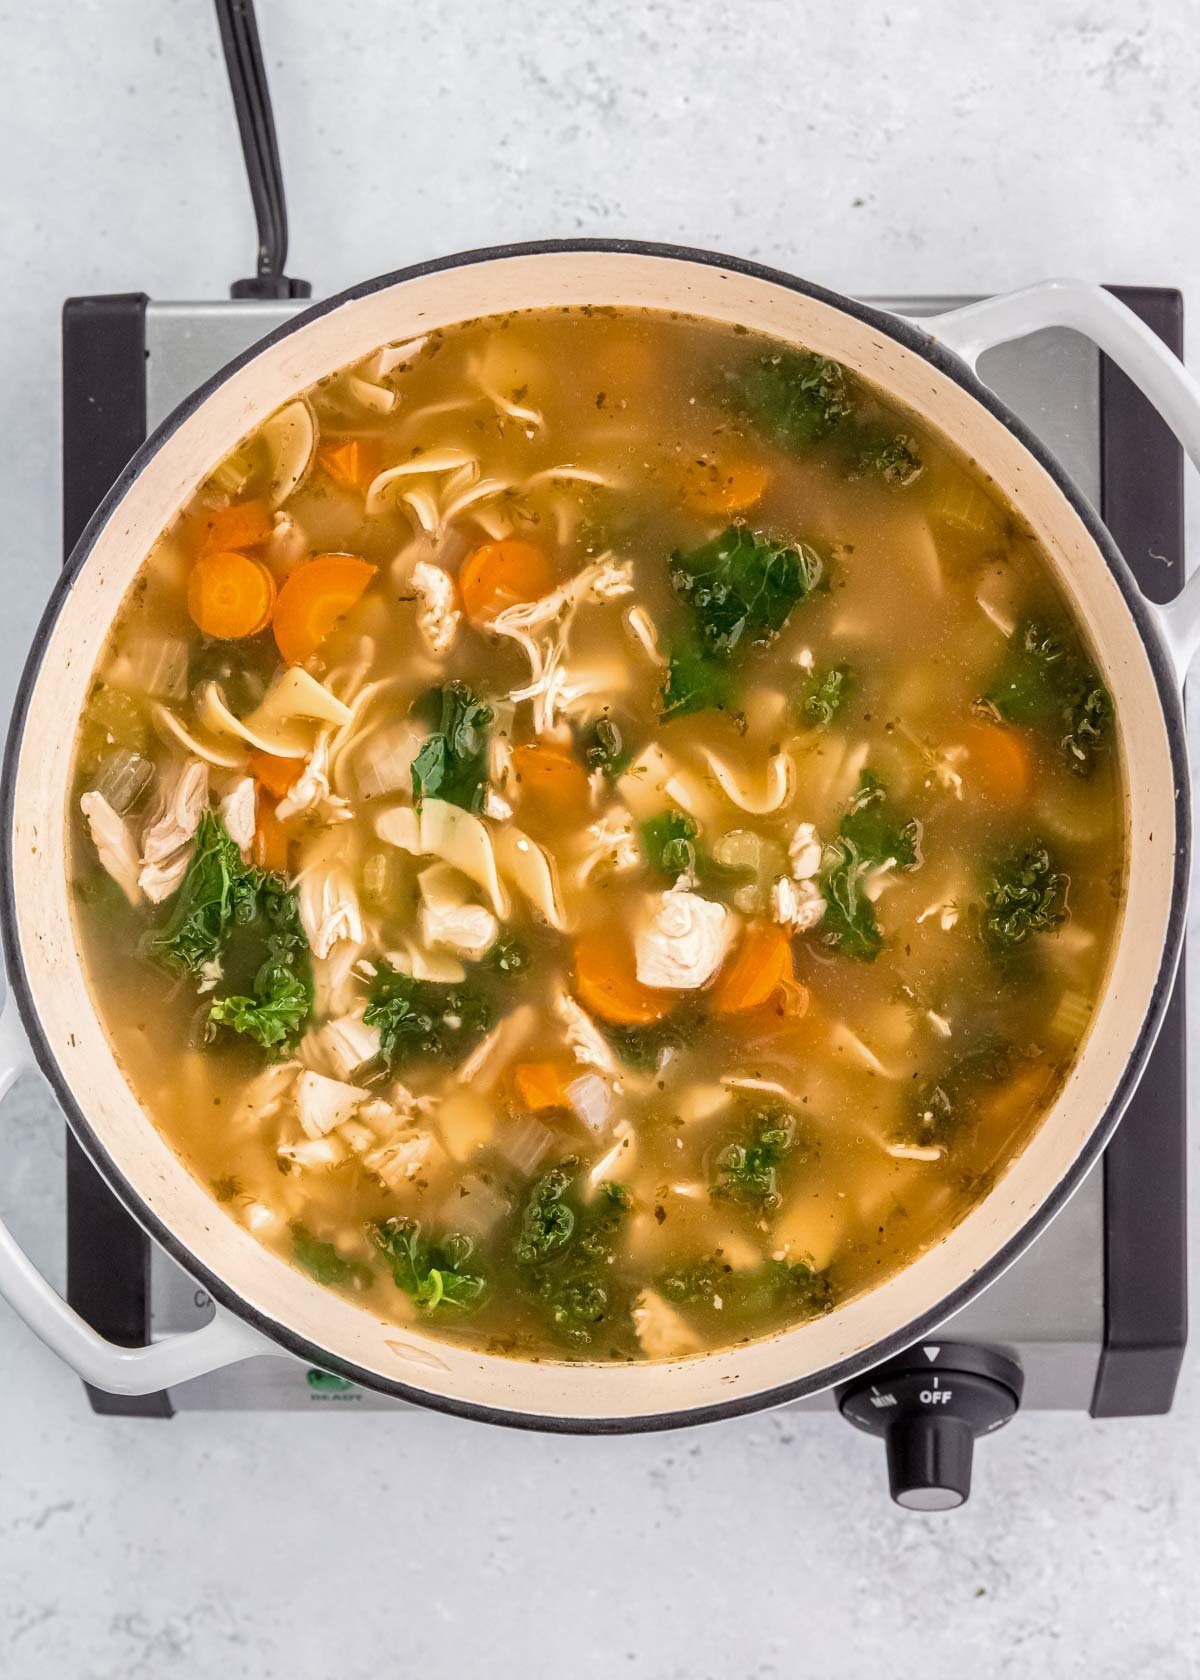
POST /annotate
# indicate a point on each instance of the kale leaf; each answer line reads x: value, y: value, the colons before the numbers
x: 282, y: 994
x: 793, y: 1285
x: 1026, y: 895
x: 507, y: 956
x: 604, y: 748
x: 568, y: 1246
x: 1047, y: 683
x: 876, y: 834
x: 695, y: 682
x: 642, y: 1047
x: 794, y: 397
x: 425, y: 1017
x: 870, y: 835
x: 548, y: 1222
x: 452, y: 763
x: 322, y: 1261
x: 434, y: 1271
x: 668, y: 843
x: 748, y: 1169
x: 217, y: 892
x: 741, y: 587
x: 893, y: 457
x: 824, y: 695
x: 945, y: 1104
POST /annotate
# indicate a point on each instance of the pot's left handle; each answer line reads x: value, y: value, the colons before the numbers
x: 116, y: 1370
x: 1140, y: 353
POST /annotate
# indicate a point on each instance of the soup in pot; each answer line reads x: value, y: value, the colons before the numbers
x: 597, y: 835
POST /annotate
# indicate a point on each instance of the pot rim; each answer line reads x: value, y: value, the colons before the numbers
x: 909, y: 335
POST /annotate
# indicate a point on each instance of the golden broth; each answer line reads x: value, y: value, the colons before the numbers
x: 695, y: 1019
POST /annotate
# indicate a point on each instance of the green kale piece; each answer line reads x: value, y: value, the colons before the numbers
x: 869, y: 835
x: 507, y: 956
x: 322, y: 1261
x: 876, y: 834
x: 548, y: 1221
x: 217, y: 893
x: 452, y: 763
x: 1026, y: 895
x: 695, y: 682
x: 1047, y: 683
x: 794, y: 397
x: 419, y: 1018
x: 824, y: 695
x: 945, y: 1104
x: 893, y: 457
x: 604, y: 748
x: 641, y: 1048
x: 668, y: 843
x: 281, y: 999
x: 741, y: 587
x: 791, y: 1286
x: 435, y: 1271
x: 748, y: 1169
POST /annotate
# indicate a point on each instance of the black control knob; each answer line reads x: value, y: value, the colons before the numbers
x: 930, y: 1405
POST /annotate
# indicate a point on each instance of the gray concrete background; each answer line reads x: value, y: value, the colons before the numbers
x: 878, y: 148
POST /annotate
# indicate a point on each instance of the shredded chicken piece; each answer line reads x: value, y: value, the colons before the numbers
x: 345, y: 1044
x: 916, y: 1151
x: 584, y: 1038
x: 496, y: 806
x: 329, y: 910
x: 804, y: 851
x: 238, y: 814
x: 264, y: 1097
x: 798, y: 905
x: 403, y: 1158
x: 469, y: 930
x: 114, y: 844
x: 661, y: 1331
x: 640, y: 628
x: 612, y: 846
x: 682, y: 941
x: 310, y: 791
x: 438, y: 618
x: 541, y: 629
x: 492, y: 1054
x: 167, y: 842
x: 947, y: 915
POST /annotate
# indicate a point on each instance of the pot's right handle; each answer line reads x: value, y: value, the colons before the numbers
x: 116, y: 1370
x: 1140, y: 353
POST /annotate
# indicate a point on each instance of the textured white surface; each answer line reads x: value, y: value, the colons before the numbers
x: 881, y: 149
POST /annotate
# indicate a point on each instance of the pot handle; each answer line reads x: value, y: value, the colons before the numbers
x: 116, y: 1370
x: 1137, y: 351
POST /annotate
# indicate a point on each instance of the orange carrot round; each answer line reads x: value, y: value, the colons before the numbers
x: 277, y: 775
x: 230, y: 596
x: 551, y: 780
x: 758, y: 968
x: 606, y: 981
x: 352, y: 464
x: 542, y: 1085
x: 318, y: 593
x: 712, y: 486
x: 500, y: 574
x: 997, y: 761
x: 270, y: 847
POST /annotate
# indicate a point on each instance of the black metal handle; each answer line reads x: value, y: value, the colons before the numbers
x: 256, y: 125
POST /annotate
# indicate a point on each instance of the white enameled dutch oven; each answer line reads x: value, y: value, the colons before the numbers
x: 263, y: 1305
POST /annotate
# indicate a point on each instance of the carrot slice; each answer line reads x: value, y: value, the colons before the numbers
x: 230, y: 596
x: 271, y: 841
x: 317, y: 594
x: 242, y: 525
x: 542, y: 1085
x: 712, y: 486
x: 352, y: 464
x: 761, y: 964
x: 500, y: 574
x: 997, y: 762
x: 551, y: 780
x: 277, y: 775
x: 606, y: 981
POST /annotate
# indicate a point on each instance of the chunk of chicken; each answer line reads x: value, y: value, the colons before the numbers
x: 345, y: 1044
x: 681, y: 941
x: 310, y: 791
x: 114, y: 844
x: 661, y: 1331
x: 438, y: 618
x: 167, y: 842
x: 469, y: 930
x: 798, y: 905
x: 238, y: 814
x: 584, y: 1038
x: 329, y: 910
x: 264, y: 1098
x: 323, y: 1104
x: 403, y: 1159
x: 612, y: 846
x: 804, y: 851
